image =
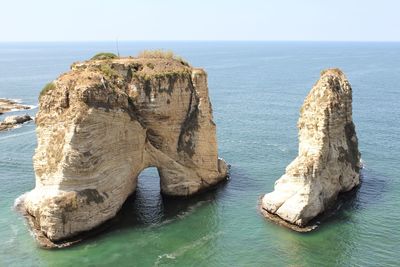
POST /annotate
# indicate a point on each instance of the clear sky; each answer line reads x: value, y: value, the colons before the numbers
x: 92, y: 20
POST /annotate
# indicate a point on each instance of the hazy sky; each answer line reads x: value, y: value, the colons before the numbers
x: 87, y: 20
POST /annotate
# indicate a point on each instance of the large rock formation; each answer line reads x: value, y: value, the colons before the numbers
x: 102, y: 123
x: 328, y: 162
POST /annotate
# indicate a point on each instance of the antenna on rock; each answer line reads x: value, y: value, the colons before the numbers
x: 116, y: 41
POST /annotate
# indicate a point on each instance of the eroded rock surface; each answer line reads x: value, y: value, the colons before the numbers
x: 328, y: 162
x: 101, y: 124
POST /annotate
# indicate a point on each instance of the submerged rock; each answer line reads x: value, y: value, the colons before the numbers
x: 328, y: 162
x: 101, y: 124
x: 12, y: 121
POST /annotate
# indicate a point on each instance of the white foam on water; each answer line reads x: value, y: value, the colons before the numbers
x: 362, y: 164
x: 192, y: 209
x: 184, y: 249
x: 19, y: 201
x: 32, y: 106
x: 16, y: 100
x: 180, y: 215
x: 14, y: 234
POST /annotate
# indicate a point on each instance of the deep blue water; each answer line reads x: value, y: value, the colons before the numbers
x: 256, y: 89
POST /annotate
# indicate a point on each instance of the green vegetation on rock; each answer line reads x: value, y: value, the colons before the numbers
x: 103, y: 56
x: 159, y: 53
x: 108, y: 72
x: 163, y: 75
x: 335, y: 71
x: 48, y: 87
x: 150, y: 65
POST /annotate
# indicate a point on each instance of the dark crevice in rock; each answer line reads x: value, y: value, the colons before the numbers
x: 91, y: 195
x: 190, y: 125
x: 171, y: 84
x: 87, y: 154
x: 134, y: 113
x: 65, y: 100
x: 352, y: 154
x: 97, y: 97
x: 129, y: 75
x: 155, y: 139
x: 147, y: 88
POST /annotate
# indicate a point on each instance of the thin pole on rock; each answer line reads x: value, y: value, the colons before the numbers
x: 117, y: 46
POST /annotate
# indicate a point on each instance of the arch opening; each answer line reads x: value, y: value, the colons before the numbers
x: 148, y: 206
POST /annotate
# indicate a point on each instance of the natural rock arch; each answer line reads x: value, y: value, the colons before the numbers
x: 105, y: 121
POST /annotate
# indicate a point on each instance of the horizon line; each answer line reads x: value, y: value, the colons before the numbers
x: 182, y: 40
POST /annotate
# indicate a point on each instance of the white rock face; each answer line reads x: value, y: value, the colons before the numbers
x: 328, y: 162
x: 104, y: 122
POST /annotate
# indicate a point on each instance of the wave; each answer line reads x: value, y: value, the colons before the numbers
x: 16, y: 135
x: 192, y: 209
x: 17, y: 109
x: 280, y: 147
x: 184, y: 249
x: 19, y: 201
x: 32, y: 106
x: 19, y: 101
x: 180, y: 215
x: 16, y: 100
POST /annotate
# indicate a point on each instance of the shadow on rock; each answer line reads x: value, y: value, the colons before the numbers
x: 146, y: 207
x: 370, y: 192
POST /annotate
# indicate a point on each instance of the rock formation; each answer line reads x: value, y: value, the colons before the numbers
x: 7, y: 105
x: 12, y: 121
x: 328, y: 162
x: 101, y: 124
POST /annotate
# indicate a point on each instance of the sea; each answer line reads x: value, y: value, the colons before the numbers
x: 256, y: 89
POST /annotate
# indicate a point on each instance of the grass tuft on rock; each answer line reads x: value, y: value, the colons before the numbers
x: 162, y: 54
x: 104, y: 56
x: 150, y: 65
x: 335, y: 71
x: 48, y: 87
x: 108, y: 71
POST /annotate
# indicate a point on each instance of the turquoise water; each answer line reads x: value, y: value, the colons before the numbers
x: 256, y: 89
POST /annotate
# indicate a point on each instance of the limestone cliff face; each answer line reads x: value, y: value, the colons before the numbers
x: 328, y: 162
x: 102, y: 123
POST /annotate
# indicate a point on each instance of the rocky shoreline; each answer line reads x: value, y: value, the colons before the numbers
x: 46, y: 243
x: 11, y: 122
x: 279, y: 221
x: 8, y: 105
x: 314, y: 224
